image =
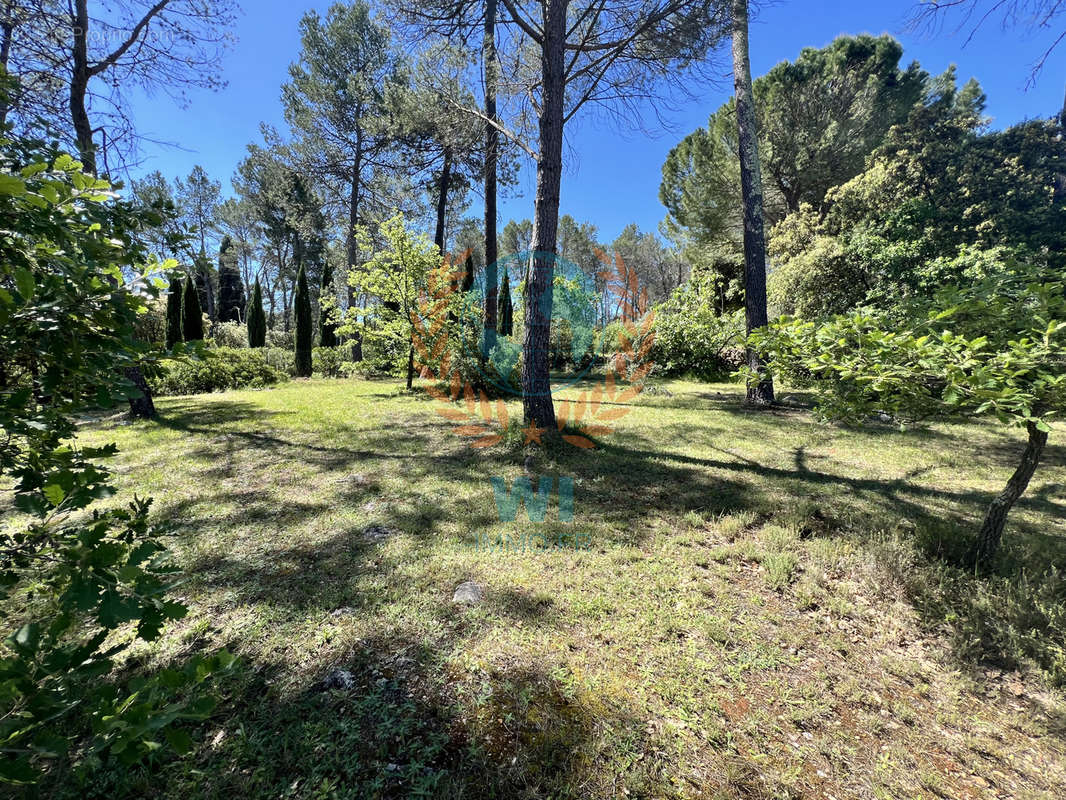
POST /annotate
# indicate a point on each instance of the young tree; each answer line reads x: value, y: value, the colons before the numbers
x: 304, y: 332
x: 327, y: 300
x: 174, y: 312
x: 256, y: 318
x: 230, y: 285
x: 993, y: 347
x: 393, y: 278
x: 192, y: 326
x: 760, y: 389
x: 505, y: 323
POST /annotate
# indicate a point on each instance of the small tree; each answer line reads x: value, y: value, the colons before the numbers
x: 302, y: 310
x: 230, y: 285
x: 256, y: 318
x: 996, y: 348
x: 192, y: 316
x: 393, y: 278
x: 505, y: 313
x: 327, y: 299
x: 174, y: 312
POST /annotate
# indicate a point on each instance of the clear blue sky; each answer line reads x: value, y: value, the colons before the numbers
x: 612, y: 175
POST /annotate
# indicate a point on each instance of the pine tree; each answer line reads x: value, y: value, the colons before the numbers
x: 230, y: 286
x: 174, y: 312
x: 256, y: 318
x: 205, y: 285
x: 327, y: 323
x: 192, y: 316
x: 302, y: 309
x: 505, y: 314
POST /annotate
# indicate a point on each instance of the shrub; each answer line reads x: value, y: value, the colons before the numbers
x: 691, y: 338
x: 327, y: 361
x: 233, y: 335
x: 219, y: 369
x: 280, y: 338
x: 280, y: 358
x: 79, y: 584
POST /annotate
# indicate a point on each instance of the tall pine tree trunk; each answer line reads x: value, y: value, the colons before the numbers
x: 759, y: 392
x: 442, y: 199
x: 537, y: 404
x: 996, y: 518
x: 354, y: 198
x: 492, y: 140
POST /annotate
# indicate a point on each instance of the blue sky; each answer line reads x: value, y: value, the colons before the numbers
x: 612, y: 175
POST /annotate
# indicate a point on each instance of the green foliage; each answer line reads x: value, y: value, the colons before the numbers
x: 256, y: 318
x: 216, y: 370
x: 935, y: 193
x: 329, y: 312
x: 505, y: 307
x: 192, y: 325
x: 995, y: 347
x: 328, y: 361
x: 280, y: 358
x: 691, y: 337
x: 77, y: 584
x: 230, y: 334
x: 393, y: 278
x: 819, y: 117
x: 174, y: 294
x: 302, y: 310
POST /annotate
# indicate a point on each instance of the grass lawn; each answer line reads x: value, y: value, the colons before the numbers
x: 768, y: 608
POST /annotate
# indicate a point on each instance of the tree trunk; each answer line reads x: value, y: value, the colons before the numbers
x: 759, y: 392
x: 492, y: 140
x: 996, y: 519
x: 141, y: 407
x: 442, y: 199
x: 7, y: 32
x: 537, y: 404
x: 410, y: 365
x: 79, y: 84
x: 353, y: 215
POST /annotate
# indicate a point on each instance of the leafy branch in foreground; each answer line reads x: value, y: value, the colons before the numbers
x: 995, y: 348
x: 74, y: 580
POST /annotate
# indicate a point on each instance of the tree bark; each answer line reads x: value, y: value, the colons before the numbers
x: 79, y: 84
x: 996, y: 518
x: 537, y: 404
x: 7, y: 32
x: 442, y: 199
x: 353, y: 215
x: 410, y: 365
x: 492, y: 140
x: 760, y: 392
x: 142, y: 407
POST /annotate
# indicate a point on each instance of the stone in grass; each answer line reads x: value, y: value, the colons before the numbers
x: 377, y: 533
x: 468, y: 593
x: 338, y: 679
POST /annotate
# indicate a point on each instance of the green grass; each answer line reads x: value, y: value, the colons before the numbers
x: 769, y: 609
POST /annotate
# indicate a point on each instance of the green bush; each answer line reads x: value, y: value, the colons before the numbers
x: 279, y: 338
x: 691, y: 338
x: 219, y: 369
x: 327, y: 361
x: 280, y: 358
x: 230, y: 334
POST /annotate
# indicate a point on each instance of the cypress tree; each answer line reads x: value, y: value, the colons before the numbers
x: 192, y: 316
x: 205, y: 288
x: 327, y: 322
x: 468, y: 274
x: 302, y: 309
x: 174, y: 312
x: 256, y: 318
x: 504, y: 315
x: 230, y: 286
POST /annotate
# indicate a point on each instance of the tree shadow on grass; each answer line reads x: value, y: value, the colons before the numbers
x: 381, y: 724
